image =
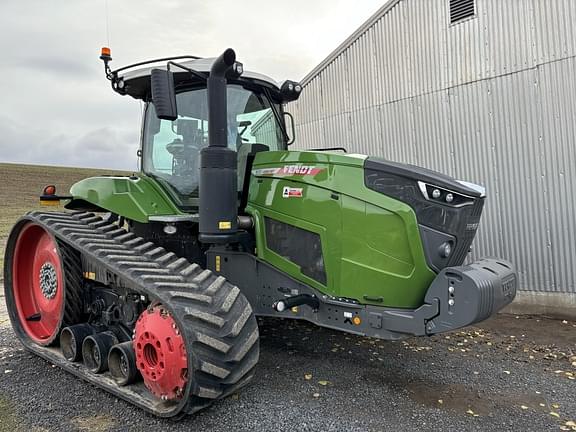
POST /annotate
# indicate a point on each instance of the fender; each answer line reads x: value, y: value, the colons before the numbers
x: 136, y: 197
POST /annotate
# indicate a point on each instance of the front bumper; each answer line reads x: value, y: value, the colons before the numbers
x: 472, y: 293
x: 458, y: 297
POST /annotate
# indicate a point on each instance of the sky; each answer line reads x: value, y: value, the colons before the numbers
x: 57, y: 108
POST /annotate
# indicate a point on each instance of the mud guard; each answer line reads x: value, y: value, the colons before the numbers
x: 136, y: 197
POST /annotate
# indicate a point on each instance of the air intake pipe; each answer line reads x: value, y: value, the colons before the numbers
x: 218, y: 177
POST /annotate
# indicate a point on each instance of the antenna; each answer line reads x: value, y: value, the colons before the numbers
x: 105, y: 54
x: 107, y: 22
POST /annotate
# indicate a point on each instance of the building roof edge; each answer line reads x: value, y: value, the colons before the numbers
x: 349, y: 40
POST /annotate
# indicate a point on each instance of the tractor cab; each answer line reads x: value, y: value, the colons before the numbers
x: 170, y: 147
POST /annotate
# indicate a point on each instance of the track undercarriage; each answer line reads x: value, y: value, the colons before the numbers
x: 179, y: 337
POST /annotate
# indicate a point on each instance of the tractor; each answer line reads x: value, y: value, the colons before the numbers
x: 148, y: 286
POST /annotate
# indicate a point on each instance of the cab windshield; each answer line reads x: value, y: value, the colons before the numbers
x: 171, y: 149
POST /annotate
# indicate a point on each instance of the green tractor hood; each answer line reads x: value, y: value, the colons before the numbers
x: 320, y: 223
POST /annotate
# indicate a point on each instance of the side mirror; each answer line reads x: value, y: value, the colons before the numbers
x: 292, y: 135
x: 163, y: 94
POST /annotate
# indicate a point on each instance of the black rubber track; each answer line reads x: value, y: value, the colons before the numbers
x: 72, y: 266
x: 216, y: 320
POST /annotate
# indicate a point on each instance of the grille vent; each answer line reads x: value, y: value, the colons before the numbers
x: 461, y: 10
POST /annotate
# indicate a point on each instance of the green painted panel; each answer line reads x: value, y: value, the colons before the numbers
x: 315, y: 212
x: 371, y: 242
x: 135, y: 198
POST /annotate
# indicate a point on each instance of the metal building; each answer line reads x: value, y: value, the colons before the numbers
x: 483, y: 90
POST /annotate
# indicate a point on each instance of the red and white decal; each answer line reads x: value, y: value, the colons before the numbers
x: 289, y: 192
x: 289, y: 170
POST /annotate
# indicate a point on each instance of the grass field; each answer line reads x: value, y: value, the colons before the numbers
x: 21, y: 185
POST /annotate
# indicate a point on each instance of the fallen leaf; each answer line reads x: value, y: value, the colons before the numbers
x: 555, y: 414
x: 308, y: 377
x: 555, y: 406
x: 470, y: 412
x: 570, y: 423
x: 323, y: 383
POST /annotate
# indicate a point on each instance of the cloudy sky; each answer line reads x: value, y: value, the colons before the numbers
x: 57, y: 108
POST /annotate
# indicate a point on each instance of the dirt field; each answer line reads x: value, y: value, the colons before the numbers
x: 21, y: 185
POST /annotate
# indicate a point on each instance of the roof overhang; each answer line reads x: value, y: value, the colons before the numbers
x: 136, y: 82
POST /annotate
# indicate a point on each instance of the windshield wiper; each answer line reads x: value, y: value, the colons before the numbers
x: 276, y: 113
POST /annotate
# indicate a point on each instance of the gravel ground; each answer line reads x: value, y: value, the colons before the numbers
x: 511, y: 373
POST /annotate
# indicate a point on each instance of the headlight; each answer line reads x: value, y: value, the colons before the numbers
x: 445, y: 249
x: 444, y: 196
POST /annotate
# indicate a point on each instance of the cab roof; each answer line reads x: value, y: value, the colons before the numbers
x: 136, y: 82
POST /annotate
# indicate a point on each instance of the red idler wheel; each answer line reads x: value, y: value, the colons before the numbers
x: 38, y: 284
x: 161, y: 353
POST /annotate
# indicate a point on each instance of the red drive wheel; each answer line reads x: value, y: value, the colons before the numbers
x: 161, y: 354
x: 38, y: 284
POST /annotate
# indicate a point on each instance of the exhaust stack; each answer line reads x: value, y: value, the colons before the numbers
x: 218, y: 177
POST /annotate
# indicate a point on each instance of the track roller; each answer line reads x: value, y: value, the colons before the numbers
x: 71, y: 339
x: 122, y: 363
x: 95, y: 351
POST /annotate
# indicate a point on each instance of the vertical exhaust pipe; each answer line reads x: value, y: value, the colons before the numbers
x: 218, y: 177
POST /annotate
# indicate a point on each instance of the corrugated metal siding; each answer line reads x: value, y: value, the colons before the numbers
x: 264, y: 130
x: 490, y: 100
x: 557, y: 146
